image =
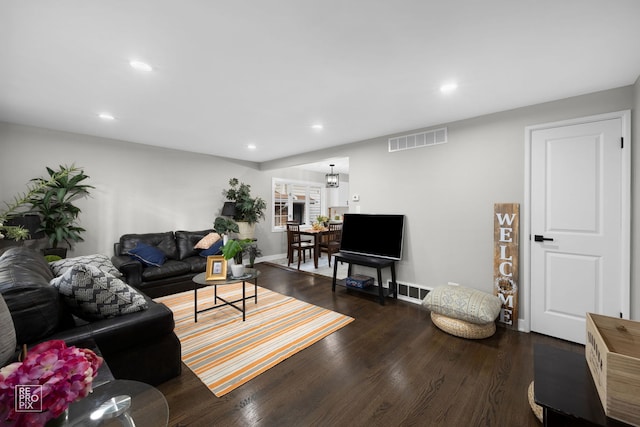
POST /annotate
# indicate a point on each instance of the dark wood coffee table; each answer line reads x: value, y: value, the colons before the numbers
x: 563, y: 386
x: 250, y: 276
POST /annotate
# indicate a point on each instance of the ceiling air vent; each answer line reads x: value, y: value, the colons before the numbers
x: 417, y: 140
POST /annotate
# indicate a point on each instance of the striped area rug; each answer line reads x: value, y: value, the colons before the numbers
x: 225, y: 352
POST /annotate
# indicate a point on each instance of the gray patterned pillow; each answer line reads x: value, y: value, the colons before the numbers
x: 101, y: 261
x: 463, y: 303
x: 93, y: 294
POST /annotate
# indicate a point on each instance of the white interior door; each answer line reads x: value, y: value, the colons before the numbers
x: 577, y: 208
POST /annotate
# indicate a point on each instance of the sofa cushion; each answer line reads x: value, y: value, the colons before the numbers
x: 166, y: 242
x: 147, y: 254
x: 35, y: 306
x: 186, y: 242
x: 93, y: 294
x: 214, y: 249
x: 7, y: 334
x: 196, y: 264
x: 459, y: 302
x: 168, y: 269
x: 98, y: 260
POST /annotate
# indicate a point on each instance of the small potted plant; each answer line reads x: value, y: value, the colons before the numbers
x: 232, y: 250
x: 253, y: 251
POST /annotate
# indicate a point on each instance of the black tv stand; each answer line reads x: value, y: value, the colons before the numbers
x: 367, y: 261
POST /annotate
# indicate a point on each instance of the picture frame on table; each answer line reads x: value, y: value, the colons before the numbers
x: 216, y: 268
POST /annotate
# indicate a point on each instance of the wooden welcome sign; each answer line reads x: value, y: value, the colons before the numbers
x: 506, y: 240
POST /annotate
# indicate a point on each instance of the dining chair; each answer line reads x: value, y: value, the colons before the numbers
x: 302, y: 238
x: 297, y: 244
x: 331, y: 242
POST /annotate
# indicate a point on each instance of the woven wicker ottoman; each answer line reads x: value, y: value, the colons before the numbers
x: 463, y: 312
x: 537, y: 409
x: 463, y: 329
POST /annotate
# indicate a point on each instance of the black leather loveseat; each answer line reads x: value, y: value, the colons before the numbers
x: 140, y: 345
x: 174, y: 275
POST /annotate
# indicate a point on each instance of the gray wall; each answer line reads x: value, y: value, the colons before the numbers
x: 447, y: 192
x: 139, y: 188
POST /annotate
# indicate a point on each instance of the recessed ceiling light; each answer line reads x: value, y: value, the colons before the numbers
x: 140, y: 66
x: 317, y: 127
x: 251, y: 146
x: 106, y: 116
x: 448, y: 87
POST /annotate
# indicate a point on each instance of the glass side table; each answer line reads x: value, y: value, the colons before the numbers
x: 120, y: 403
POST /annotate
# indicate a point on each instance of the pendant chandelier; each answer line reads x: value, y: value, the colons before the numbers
x: 333, y: 179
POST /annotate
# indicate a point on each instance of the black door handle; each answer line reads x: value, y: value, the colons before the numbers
x: 539, y: 238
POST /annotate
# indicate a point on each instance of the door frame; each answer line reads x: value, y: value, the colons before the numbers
x: 625, y: 186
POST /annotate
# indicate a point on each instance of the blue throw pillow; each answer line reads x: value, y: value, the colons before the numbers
x: 213, y: 249
x: 148, y: 255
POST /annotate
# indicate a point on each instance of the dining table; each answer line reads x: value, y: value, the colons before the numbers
x: 317, y: 234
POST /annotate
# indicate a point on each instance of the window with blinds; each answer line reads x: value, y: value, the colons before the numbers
x: 295, y: 201
x: 280, y: 204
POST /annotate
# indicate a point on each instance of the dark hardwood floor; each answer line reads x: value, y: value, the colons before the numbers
x: 389, y: 367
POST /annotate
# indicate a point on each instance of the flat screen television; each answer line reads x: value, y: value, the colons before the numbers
x: 373, y: 235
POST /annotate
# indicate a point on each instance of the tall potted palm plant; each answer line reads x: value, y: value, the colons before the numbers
x: 16, y: 217
x: 54, y: 203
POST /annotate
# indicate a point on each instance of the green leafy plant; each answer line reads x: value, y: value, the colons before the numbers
x: 248, y: 208
x: 234, y: 248
x: 253, y: 251
x: 20, y: 203
x: 53, y: 201
x: 223, y: 225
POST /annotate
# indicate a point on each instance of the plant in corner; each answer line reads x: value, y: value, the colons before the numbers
x: 54, y: 203
x: 249, y: 210
x: 17, y: 207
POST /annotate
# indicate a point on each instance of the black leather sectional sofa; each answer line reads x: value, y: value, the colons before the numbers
x: 139, y: 346
x: 175, y: 274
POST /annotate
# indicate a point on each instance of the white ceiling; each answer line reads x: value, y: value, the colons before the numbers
x: 340, y: 165
x: 230, y: 73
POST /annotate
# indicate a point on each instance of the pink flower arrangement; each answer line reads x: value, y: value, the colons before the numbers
x: 65, y: 374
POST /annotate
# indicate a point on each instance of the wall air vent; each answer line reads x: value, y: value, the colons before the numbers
x: 417, y: 140
x: 410, y: 292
